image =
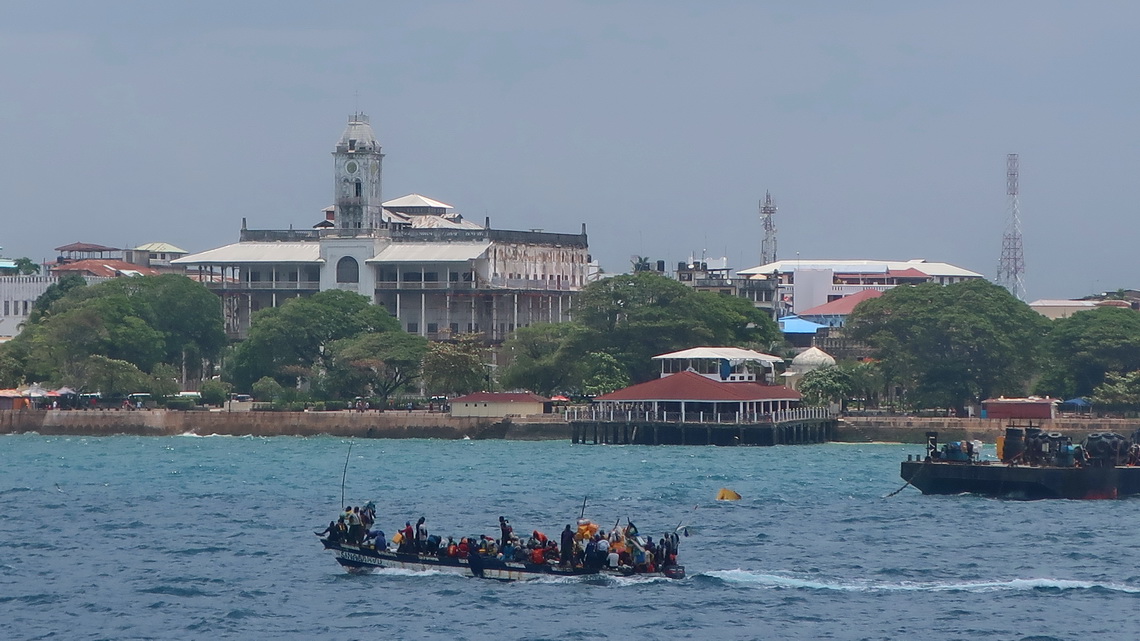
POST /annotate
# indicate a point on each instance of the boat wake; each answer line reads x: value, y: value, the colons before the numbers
x: 746, y: 577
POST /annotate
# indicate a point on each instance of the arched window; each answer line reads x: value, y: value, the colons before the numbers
x: 347, y: 270
x: 359, y: 189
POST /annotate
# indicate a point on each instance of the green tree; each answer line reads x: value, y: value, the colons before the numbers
x: 54, y: 292
x: 1087, y: 346
x: 1118, y: 391
x: 214, y: 392
x: 635, y: 317
x: 951, y: 345
x: 268, y: 389
x: 832, y: 384
x: 164, y: 381
x: 375, y: 364
x: 26, y: 266
x: 292, y: 341
x: 541, y: 358
x: 108, y: 376
x: 457, y: 367
x: 602, y: 374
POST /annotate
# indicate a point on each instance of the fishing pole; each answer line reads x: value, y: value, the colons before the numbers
x: 344, y: 474
x: 583, y: 514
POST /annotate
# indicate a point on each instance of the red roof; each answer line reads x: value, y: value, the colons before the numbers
x: 909, y: 272
x: 842, y: 306
x: 85, y: 247
x: 107, y: 267
x: 501, y: 397
x: 690, y: 386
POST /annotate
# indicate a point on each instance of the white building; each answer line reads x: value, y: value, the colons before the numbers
x: 435, y: 271
x: 804, y: 284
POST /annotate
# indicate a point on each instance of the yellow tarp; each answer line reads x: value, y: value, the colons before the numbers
x: 726, y: 494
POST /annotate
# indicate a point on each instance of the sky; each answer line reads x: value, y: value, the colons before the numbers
x: 880, y: 128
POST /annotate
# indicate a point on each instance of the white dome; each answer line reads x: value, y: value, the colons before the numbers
x: 812, y: 358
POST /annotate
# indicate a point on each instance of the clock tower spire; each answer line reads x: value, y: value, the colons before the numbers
x: 358, y: 169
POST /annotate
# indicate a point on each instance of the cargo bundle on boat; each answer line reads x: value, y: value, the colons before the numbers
x: 1033, y: 465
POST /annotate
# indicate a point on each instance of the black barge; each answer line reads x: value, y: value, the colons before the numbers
x: 1034, y: 465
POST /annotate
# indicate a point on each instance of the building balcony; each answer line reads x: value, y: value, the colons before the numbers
x: 264, y: 285
x: 408, y: 285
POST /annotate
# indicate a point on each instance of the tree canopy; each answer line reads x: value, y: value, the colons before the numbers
x: 636, y: 317
x: 457, y: 367
x: 951, y: 345
x: 623, y: 322
x: 289, y: 341
x: 1087, y: 346
x: 144, y: 321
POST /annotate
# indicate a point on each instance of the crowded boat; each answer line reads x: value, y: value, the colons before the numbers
x: 584, y: 548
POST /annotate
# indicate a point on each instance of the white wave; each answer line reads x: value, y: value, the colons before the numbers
x: 1012, y: 585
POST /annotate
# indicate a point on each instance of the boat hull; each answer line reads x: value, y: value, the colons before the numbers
x: 363, y: 559
x: 1021, y: 482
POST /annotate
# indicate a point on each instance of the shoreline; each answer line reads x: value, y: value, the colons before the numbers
x: 419, y: 424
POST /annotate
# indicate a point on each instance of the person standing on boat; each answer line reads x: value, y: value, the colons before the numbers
x: 407, y: 539
x: 567, y: 547
x: 505, y: 529
x: 421, y: 535
x: 353, y: 520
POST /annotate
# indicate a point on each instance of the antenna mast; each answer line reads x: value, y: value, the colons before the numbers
x: 1011, y: 267
x: 768, y: 245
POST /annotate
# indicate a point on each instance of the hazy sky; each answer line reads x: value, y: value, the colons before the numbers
x: 881, y: 128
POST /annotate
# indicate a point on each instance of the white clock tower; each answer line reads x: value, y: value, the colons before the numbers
x: 358, y: 171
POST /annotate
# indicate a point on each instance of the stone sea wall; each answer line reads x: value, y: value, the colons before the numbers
x: 394, y: 424
x: 903, y: 429
x: 346, y: 423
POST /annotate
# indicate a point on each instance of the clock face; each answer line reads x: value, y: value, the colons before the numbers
x: 350, y: 167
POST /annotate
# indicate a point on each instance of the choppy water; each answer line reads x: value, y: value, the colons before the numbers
x: 185, y: 537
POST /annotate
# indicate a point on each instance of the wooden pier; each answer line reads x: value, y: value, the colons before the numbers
x: 794, y: 427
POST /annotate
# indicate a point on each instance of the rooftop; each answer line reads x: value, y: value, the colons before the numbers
x: 732, y: 354
x: 864, y: 266
x: 256, y: 252
x: 689, y: 386
x: 842, y: 306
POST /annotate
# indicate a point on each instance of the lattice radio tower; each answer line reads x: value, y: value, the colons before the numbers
x: 768, y: 245
x: 1011, y: 267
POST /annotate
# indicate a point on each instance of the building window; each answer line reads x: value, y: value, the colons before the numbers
x: 347, y: 270
x: 6, y: 308
x: 455, y: 328
x: 413, y: 328
x: 359, y: 189
x: 413, y: 277
x: 433, y: 328
x: 431, y: 277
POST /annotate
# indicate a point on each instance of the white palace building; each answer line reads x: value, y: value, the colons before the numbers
x: 435, y: 271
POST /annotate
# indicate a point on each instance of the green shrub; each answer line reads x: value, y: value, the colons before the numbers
x: 214, y: 392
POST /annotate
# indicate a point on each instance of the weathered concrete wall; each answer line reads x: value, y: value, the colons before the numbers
x: 356, y: 424
x: 901, y: 429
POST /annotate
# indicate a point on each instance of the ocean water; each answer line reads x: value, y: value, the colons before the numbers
x: 211, y: 538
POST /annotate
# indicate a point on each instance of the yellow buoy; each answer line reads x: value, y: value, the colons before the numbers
x: 726, y: 494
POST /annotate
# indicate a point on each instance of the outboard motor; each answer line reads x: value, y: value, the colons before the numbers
x: 1014, y: 447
